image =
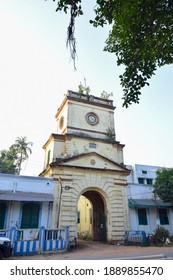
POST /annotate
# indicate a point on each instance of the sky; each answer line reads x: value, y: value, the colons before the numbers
x: 36, y: 71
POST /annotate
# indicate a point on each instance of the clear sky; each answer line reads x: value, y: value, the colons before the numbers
x: 36, y: 71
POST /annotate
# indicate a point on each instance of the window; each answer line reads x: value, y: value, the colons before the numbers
x: 140, y: 180
x: 91, y: 216
x: 61, y: 122
x: 142, y: 216
x: 92, y: 145
x: 163, y: 216
x: 149, y: 181
x: 144, y: 172
x: 78, y: 217
x: 48, y: 157
x: 3, y: 208
x: 30, y: 215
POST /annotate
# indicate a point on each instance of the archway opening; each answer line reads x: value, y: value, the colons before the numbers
x: 92, y: 216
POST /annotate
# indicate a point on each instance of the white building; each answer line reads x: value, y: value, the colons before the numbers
x: 146, y: 211
x: 25, y: 202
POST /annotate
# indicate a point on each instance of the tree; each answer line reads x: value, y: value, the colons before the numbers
x: 141, y: 37
x: 22, y: 150
x: 106, y: 95
x: 7, y: 161
x: 83, y: 89
x: 163, y: 186
x: 110, y: 135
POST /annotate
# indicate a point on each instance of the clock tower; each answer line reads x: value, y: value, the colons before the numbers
x: 84, y: 158
x: 85, y: 115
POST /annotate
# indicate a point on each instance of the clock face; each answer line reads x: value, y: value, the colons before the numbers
x: 92, y: 118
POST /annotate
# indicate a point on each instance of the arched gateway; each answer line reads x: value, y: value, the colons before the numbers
x: 98, y: 216
x: 84, y: 158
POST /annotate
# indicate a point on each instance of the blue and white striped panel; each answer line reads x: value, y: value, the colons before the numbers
x: 52, y: 245
x: 26, y: 247
x: 61, y: 244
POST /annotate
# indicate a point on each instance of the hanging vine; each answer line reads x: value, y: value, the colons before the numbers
x: 75, y: 10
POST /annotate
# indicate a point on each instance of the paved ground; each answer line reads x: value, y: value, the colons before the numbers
x: 96, y: 250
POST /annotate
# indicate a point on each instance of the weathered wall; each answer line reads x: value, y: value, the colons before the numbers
x: 108, y: 184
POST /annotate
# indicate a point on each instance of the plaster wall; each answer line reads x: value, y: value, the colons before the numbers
x: 138, y: 191
x: 108, y: 184
x: 141, y: 171
x: 57, y: 149
x: 77, y: 119
x: 151, y: 218
x: 49, y: 153
x: 25, y: 184
x: 77, y: 146
x: 62, y: 129
x: 85, y: 223
x: 14, y: 214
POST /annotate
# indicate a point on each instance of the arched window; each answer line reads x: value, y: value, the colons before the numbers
x: 30, y: 215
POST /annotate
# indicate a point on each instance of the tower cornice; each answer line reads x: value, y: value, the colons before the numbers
x: 86, y: 99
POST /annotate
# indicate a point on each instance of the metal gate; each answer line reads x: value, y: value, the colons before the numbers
x: 102, y: 226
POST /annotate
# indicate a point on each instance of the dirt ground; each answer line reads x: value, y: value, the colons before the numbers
x: 94, y: 249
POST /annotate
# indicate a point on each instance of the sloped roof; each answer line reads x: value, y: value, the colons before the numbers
x: 25, y: 196
x: 148, y: 203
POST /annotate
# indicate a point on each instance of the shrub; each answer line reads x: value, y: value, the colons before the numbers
x: 161, y: 233
x: 171, y: 238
